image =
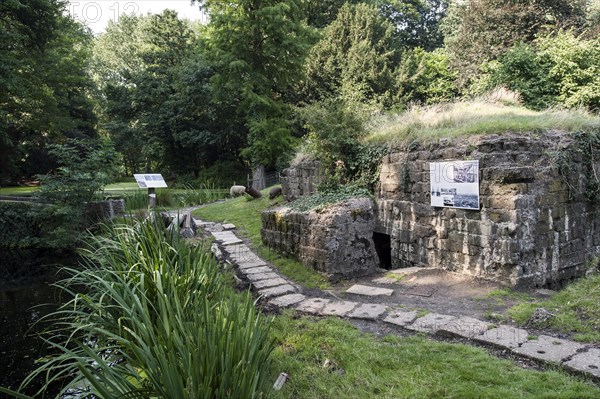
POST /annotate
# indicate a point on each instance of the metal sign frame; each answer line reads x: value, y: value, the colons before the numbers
x: 455, y: 184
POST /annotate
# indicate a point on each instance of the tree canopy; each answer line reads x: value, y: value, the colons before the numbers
x: 245, y: 88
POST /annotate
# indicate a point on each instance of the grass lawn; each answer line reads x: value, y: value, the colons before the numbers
x: 245, y: 214
x: 400, y: 367
x: 577, y: 310
x: 17, y: 191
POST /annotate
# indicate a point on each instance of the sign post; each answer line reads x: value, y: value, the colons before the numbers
x: 151, y: 182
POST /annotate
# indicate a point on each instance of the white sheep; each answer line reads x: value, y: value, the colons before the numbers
x: 236, y: 191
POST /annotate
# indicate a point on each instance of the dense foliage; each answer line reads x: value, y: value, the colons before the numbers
x: 192, y: 100
x: 150, y: 316
x: 31, y: 226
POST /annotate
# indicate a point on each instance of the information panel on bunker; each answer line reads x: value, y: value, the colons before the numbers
x: 455, y: 184
x: 152, y: 180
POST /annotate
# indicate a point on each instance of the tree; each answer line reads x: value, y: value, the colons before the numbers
x: 482, y: 30
x: 258, y: 47
x: 44, y: 86
x: 559, y: 69
x: 155, y: 93
x: 354, y: 59
x: 416, y: 22
x: 425, y: 77
x: 321, y: 13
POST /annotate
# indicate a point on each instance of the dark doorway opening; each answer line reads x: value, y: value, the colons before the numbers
x: 383, y: 246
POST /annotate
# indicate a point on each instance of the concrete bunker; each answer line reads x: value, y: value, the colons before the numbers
x: 537, y: 224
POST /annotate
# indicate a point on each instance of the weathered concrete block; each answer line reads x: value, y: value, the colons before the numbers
x: 358, y: 289
x: 368, y: 311
x: 312, y: 305
x: 340, y: 308
x: 504, y: 337
x: 401, y: 318
x: 588, y: 362
x: 466, y: 327
x: 431, y: 323
x: 277, y: 291
x: 549, y: 349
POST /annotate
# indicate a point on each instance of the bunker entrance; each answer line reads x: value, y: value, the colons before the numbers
x: 383, y: 246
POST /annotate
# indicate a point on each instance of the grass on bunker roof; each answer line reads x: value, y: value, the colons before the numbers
x: 496, y: 113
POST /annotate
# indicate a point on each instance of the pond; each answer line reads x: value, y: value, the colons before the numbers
x: 22, y: 304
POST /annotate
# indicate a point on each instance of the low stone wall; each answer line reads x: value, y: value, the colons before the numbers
x: 337, y: 241
x: 97, y: 211
x: 531, y: 230
x: 300, y: 180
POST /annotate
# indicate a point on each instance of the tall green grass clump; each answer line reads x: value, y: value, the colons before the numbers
x: 152, y: 317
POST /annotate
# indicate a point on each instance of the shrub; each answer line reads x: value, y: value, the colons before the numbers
x: 559, y: 69
x: 425, y: 77
x: 34, y: 226
x: 224, y: 173
x: 150, y: 316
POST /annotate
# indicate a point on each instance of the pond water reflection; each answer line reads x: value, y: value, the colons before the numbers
x: 22, y: 305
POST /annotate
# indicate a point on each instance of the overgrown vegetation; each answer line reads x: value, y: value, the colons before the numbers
x: 328, y: 196
x: 496, y: 113
x: 576, y: 309
x: 245, y: 215
x: 586, y: 150
x: 34, y: 226
x: 151, y: 316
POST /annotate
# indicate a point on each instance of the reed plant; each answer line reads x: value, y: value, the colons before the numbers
x: 152, y: 317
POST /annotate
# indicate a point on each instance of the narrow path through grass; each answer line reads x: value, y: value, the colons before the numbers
x: 245, y: 214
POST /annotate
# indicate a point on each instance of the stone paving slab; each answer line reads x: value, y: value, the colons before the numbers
x: 287, y: 300
x: 262, y: 276
x: 466, y: 327
x: 504, y: 337
x: 338, y: 308
x: 587, y: 362
x: 239, y: 248
x: 256, y: 270
x: 249, y: 265
x: 228, y: 226
x: 224, y: 235
x: 277, y: 291
x: 243, y: 257
x: 369, y: 291
x: 368, y: 311
x: 312, y: 305
x: 268, y: 283
x: 401, y: 318
x: 284, y: 294
x: 431, y: 323
x: 549, y: 349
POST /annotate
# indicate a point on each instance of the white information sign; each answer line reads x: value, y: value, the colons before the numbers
x: 150, y: 180
x: 455, y: 184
